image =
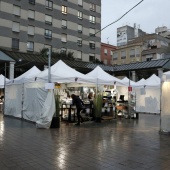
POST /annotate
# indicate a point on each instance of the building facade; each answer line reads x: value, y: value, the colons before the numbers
x: 143, y: 48
x: 163, y: 31
x: 62, y: 25
x: 125, y: 33
x: 107, y: 53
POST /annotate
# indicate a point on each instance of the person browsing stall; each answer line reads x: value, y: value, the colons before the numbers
x: 79, y: 105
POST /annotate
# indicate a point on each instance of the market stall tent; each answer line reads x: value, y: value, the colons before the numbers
x: 165, y: 103
x: 33, y: 109
x: 14, y: 92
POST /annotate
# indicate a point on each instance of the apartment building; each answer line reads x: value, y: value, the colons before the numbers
x: 62, y: 25
x: 144, y: 48
x: 107, y: 53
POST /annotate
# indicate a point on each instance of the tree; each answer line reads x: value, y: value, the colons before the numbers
x: 57, y: 55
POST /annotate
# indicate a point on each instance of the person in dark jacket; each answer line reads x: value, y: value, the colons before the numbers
x: 79, y: 105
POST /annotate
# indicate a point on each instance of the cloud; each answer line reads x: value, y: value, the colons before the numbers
x: 149, y: 15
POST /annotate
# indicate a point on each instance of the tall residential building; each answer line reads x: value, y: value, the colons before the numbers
x: 125, y: 33
x: 62, y: 25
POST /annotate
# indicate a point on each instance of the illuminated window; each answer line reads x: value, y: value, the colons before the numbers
x: 64, y: 9
x: 80, y: 15
x: 92, y: 19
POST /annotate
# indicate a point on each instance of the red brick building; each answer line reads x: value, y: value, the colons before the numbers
x: 106, y: 53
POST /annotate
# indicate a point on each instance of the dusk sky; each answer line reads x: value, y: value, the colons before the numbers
x: 149, y: 15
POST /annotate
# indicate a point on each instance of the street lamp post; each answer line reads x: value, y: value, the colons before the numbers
x: 49, y: 65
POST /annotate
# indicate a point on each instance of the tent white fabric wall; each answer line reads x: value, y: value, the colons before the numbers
x: 148, y: 95
x: 34, y: 98
x: 13, y: 100
x: 2, y: 81
x: 14, y: 92
x: 48, y: 111
x: 165, y: 103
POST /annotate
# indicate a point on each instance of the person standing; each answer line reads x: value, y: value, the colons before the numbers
x: 79, y: 105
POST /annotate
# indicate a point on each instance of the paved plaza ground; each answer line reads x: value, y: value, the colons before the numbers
x: 112, y: 145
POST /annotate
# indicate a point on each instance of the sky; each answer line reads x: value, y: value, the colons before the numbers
x: 149, y: 15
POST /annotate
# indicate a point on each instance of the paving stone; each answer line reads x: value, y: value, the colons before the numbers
x: 118, y: 144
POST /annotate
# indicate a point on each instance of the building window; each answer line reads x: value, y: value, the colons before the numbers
x: 48, y: 19
x: 91, y: 57
x: 64, y: 37
x: 80, y: 28
x: 79, y: 41
x: 80, y: 15
x: 49, y: 4
x: 137, y: 52
x: 92, y: 32
x: 92, y: 19
x: 105, y: 51
x: 32, y: 2
x: 30, y: 46
x: 63, y: 50
x: 15, y: 43
x: 79, y: 55
x: 15, y: 27
x: 48, y: 33
x: 80, y: 2
x: 31, y: 14
x: 111, y: 53
x: 123, y: 54
x: 16, y: 10
x: 92, y: 44
x: 92, y: 7
x: 64, y: 9
x: 30, y: 30
x: 115, y: 56
x: 64, y: 24
x: 132, y: 53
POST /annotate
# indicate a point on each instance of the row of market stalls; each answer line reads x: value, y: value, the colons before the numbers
x: 28, y: 96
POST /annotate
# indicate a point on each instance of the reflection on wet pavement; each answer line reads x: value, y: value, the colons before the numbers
x: 112, y: 145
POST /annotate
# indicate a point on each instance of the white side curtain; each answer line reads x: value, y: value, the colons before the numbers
x: 48, y: 111
x: 13, y: 100
x: 34, y: 97
x: 148, y: 100
x: 165, y: 107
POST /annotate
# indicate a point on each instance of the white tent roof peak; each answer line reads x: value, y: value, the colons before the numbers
x: 102, y: 77
x: 27, y: 76
x: 62, y: 73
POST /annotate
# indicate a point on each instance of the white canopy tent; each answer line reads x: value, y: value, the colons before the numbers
x: 148, y: 95
x: 14, y: 92
x: 35, y: 109
x: 165, y: 103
